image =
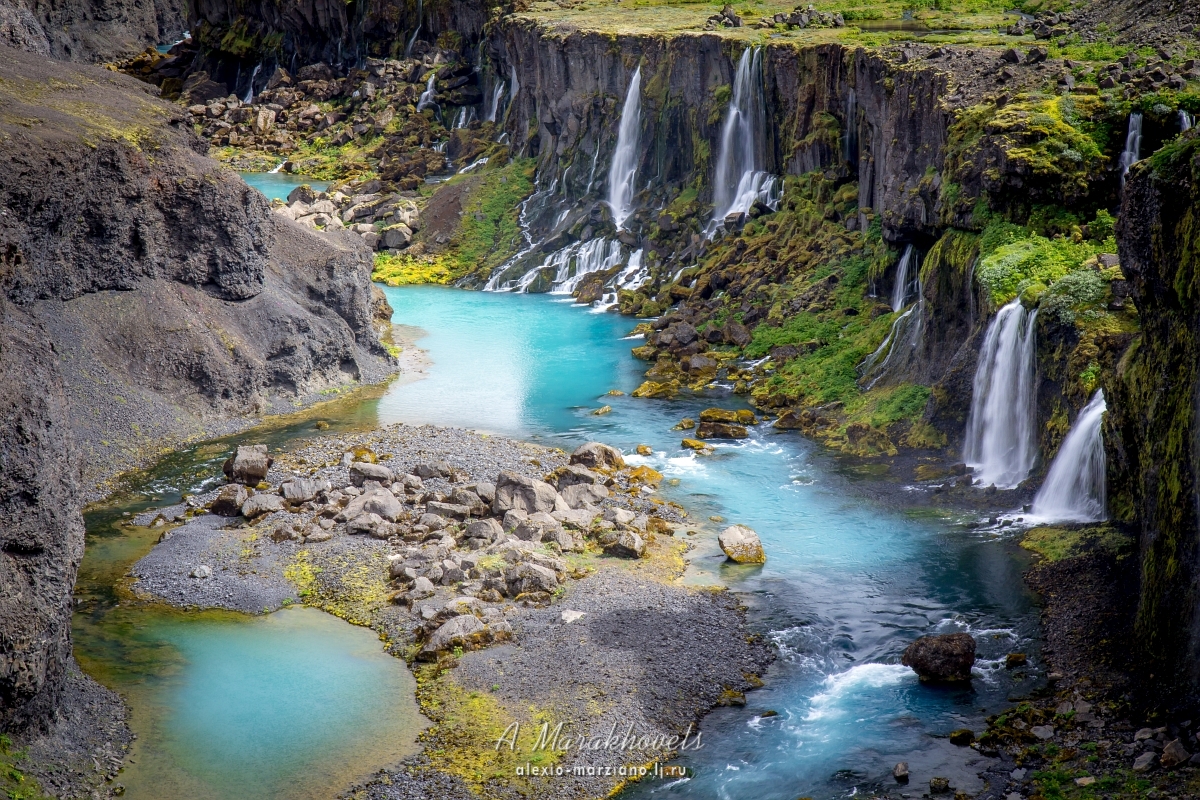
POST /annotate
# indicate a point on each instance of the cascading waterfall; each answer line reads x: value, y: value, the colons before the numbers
x: 1186, y: 121
x: 1000, y: 443
x: 623, y: 170
x: 1075, y: 490
x: 904, y: 281
x: 1133, y: 144
x: 633, y: 277
x: 420, y: 14
x: 565, y: 268
x: 427, y: 96
x: 739, y: 179
x: 497, y: 93
x: 249, y: 98
x: 901, y: 345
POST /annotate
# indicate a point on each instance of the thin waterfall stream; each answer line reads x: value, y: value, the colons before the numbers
x: 1074, y: 490
x: 623, y: 171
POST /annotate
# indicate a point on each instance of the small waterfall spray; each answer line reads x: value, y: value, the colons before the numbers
x: 249, y: 98
x: 1000, y: 442
x: 420, y: 14
x: 623, y: 170
x: 1133, y: 145
x: 497, y: 93
x: 515, y: 84
x: 427, y: 96
x: 850, y: 140
x: 739, y: 179
x: 1186, y: 121
x: 904, y: 281
x: 1074, y: 490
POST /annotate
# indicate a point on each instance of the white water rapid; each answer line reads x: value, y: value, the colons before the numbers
x: 623, y: 171
x: 1000, y: 444
x: 1133, y: 145
x: 1074, y: 490
x: 740, y: 179
x: 906, y: 280
x: 1186, y: 121
x: 427, y: 96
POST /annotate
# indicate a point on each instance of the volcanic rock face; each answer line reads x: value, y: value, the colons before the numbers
x: 146, y: 295
x: 93, y: 30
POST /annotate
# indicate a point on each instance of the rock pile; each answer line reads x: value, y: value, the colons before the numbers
x: 386, y: 220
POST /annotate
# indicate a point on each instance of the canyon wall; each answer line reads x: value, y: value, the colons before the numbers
x: 149, y: 297
x: 93, y: 30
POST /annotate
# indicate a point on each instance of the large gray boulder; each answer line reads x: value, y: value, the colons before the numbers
x: 627, y: 545
x: 362, y: 471
x: 301, y: 490
x: 261, y: 504
x: 249, y: 465
x: 518, y: 493
x: 229, y: 501
x: 465, y: 631
x: 526, y: 577
x: 376, y: 501
x: 580, y: 495
x: 944, y: 658
x: 595, y: 455
x: 487, y: 529
x: 742, y: 545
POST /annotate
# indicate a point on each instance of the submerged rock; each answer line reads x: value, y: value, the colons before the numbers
x: 947, y: 657
x: 742, y: 545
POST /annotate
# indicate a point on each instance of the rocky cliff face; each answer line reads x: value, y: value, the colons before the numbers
x: 95, y: 30
x: 1153, y: 418
x: 149, y: 296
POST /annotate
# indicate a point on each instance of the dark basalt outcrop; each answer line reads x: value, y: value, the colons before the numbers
x: 148, y: 296
x: 1151, y: 429
x: 93, y: 30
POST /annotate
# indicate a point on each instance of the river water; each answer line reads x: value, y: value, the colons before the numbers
x: 853, y: 575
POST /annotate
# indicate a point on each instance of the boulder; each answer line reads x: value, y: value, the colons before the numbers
x: 361, y: 471
x: 581, y: 495
x: 468, y: 498
x: 742, y: 545
x: 368, y: 525
x: 947, y: 657
x: 571, y: 475
x: 375, y: 501
x: 595, y: 455
x: 488, y: 529
x: 627, y: 545
x: 655, y: 390
x: 526, y: 577
x: 718, y: 415
x: 249, y: 465
x: 1145, y: 762
x: 720, y: 430
x: 484, y: 491
x: 448, y: 510
x: 421, y: 587
x: 200, y: 572
x: 1174, y: 754
x: 465, y: 631
x: 438, y: 469
x: 230, y: 500
x: 516, y: 492
x: 619, y: 516
x: 261, y: 504
x: 301, y: 490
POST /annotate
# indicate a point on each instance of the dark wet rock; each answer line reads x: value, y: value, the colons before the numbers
x: 720, y: 430
x: 945, y: 657
x: 900, y: 772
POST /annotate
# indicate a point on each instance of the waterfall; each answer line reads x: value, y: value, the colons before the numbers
x: 1000, y: 442
x: 625, y: 158
x: 427, y: 96
x: 1133, y: 145
x: 901, y: 346
x: 277, y: 167
x: 592, y: 174
x: 850, y: 140
x: 413, y: 40
x: 1186, y: 121
x: 904, y: 282
x: 249, y: 98
x: 516, y: 84
x: 497, y: 93
x: 635, y: 274
x: 739, y: 179
x: 564, y: 269
x: 1074, y: 490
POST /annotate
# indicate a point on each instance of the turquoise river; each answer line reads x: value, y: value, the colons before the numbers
x: 297, y: 704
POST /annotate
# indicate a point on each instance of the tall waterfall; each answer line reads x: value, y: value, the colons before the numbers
x: 1074, y: 490
x: 1000, y: 443
x: 1186, y: 121
x: 427, y: 96
x: 413, y: 40
x: 739, y: 179
x: 623, y: 170
x: 904, y: 280
x: 1133, y: 144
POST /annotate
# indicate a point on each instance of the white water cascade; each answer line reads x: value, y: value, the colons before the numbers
x: 623, y: 170
x: 420, y: 13
x: 740, y: 179
x: 1133, y: 145
x: 633, y: 277
x: 427, y: 96
x: 1074, y: 490
x: 249, y: 98
x: 1186, y: 121
x: 497, y: 93
x: 1000, y: 442
x: 905, y: 282
x: 565, y: 268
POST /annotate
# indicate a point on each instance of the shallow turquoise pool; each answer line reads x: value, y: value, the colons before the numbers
x: 278, y: 185
x: 850, y: 580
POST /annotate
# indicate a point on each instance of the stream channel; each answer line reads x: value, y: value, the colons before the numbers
x: 298, y: 704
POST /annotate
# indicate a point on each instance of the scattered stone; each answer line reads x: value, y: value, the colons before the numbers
x: 249, y: 465
x: 362, y: 471
x: 261, y: 504
x: 367, y: 525
x: 595, y: 455
x: 721, y: 430
x: 627, y: 545
x: 718, y: 415
x: 568, y: 616
x: 697, y: 445
x: 375, y: 501
x: 645, y: 450
x: 1145, y: 762
x: 900, y: 772
x: 518, y: 493
x: 946, y: 657
x: 685, y: 424
x: 301, y: 490
x: 1086, y: 780
x: 200, y: 572
x: 1014, y: 660
x: 465, y: 631
x: 939, y: 785
x: 1174, y: 754
x: 1043, y: 732
x: 742, y: 545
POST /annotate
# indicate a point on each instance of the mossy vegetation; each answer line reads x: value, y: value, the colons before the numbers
x: 1057, y: 544
x: 14, y: 783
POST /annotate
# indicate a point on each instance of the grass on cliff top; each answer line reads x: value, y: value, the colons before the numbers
x: 1057, y: 544
x: 488, y: 232
x: 878, y: 20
